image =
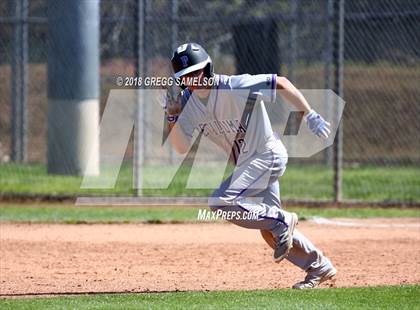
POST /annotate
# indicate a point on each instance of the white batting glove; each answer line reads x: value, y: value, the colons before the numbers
x: 318, y: 125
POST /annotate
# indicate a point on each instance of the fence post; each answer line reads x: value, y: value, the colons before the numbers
x: 139, y: 49
x: 292, y: 40
x: 147, y: 133
x: 291, y: 59
x: 19, y: 81
x: 15, y: 94
x: 24, y: 80
x: 174, y: 45
x: 329, y: 153
x: 338, y: 56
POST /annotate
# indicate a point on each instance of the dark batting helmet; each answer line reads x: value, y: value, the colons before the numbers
x: 191, y: 57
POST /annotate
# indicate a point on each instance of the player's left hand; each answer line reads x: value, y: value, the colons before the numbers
x: 318, y: 125
x: 172, y: 104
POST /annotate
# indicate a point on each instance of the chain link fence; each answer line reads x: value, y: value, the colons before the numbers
x: 295, y: 38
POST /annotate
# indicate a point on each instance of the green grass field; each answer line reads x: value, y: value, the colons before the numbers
x: 70, y: 214
x: 363, y: 183
x: 392, y: 297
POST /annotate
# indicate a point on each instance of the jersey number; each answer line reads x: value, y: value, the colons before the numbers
x: 240, y: 146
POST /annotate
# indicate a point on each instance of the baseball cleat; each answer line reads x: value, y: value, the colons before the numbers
x: 316, y: 277
x: 285, y: 243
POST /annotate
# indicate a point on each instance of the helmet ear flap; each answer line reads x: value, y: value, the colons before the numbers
x: 208, y: 70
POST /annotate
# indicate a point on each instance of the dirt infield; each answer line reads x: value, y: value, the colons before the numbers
x: 55, y: 259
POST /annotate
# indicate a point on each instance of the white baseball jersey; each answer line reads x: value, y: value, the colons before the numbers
x: 225, y: 120
x: 260, y: 157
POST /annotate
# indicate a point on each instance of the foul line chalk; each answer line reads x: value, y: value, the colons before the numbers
x: 324, y: 221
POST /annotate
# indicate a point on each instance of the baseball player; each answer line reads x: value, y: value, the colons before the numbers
x: 230, y: 112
